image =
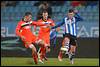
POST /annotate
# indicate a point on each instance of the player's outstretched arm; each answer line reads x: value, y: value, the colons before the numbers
x: 58, y: 25
x: 77, y: 16
x: 38, y: 23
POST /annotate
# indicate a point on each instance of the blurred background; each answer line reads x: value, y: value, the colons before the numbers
x: 87, y: 30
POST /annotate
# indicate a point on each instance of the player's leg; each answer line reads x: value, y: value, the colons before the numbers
x: 34, y: 53
x: 60, y: 53
x: 72, y: 50
x: 47, y: 47
x: 41, y: 54
x: 28, y: 44
x: 64, y: 48
x: 72, y: 54
x: 46, y: 51
x: 31, y: 45
x: 41, y: 50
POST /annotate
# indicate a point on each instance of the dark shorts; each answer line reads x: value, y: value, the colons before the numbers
x: 72, y: 39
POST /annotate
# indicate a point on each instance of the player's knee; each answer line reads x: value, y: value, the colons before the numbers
x: 32, y: 47
x: 64, y: 49
x: 42, y: 42
x: 34, y: 50
x: 72, y: 48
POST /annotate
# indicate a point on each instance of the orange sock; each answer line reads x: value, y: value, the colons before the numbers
x: 60, y: 54
x: 35, y: 57
x: 42, y: 52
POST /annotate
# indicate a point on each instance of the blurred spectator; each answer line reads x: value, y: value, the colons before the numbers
x: 11, y: 3
x: 83, y: 3
x: 53, y: 3
x: 77, y: 4
x: 37, y: 3
x: 57, y: 3
x: 44, y: 6
x: 3, y: 4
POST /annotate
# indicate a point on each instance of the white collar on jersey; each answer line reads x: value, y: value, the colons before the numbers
x: 67, y: 19
x: 26, y: 23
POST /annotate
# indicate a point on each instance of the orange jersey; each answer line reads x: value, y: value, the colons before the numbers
x: 24, y: 29
x: 44, y: 31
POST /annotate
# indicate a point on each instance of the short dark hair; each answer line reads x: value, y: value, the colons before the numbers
x: 44, y: 11
x: 28, y: 13
x: 71, y: 10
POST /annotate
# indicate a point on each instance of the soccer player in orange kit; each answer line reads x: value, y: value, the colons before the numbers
x: 44, y: 34
x: 24, y: 32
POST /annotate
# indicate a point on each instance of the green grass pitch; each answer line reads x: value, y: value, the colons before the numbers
x: 22, y: 61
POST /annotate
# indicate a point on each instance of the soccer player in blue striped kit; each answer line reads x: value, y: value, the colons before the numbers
x: 69, y: 37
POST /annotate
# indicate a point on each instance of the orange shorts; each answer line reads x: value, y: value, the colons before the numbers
x: 29, y: 40
x: 45, y: 38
